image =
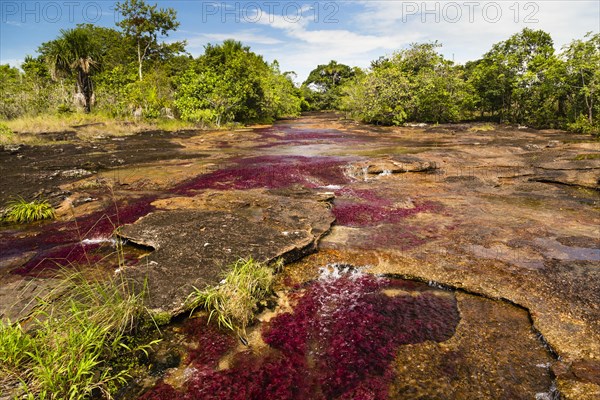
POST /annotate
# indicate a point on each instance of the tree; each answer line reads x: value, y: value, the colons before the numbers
x: 281, y: 97
x: 583, y: 68
x: 74, y: 54
x: 143, y: 23
x: 325, y: 81
x: 12, y: 87
x: 379, y: 97
x: 231, y: 83
x: 513, y: 77
x: 414, y: 84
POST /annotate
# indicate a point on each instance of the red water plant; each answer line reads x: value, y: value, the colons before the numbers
x: 271, y: 172
x: 376, y: 212
x: 64, y: 243
x: 212, y: 342
x: 338, y: 343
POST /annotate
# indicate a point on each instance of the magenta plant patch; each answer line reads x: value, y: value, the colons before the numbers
x: 338, y: 343
x: 377, y: 212
x: 271, y: 172
x: 83, y: 241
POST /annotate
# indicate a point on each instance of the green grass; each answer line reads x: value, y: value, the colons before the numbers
x: 72, y: 345
x: 87, y: 126
x: 6, y: 134
x: 234, y: 302
x: 589, y: 156
x: 482, y: 128
x: 21, y: 211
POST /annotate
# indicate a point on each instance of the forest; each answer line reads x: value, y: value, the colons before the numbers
x: 129, y: 71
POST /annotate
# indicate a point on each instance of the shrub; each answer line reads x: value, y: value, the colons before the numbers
x: 582, y: 125
x: 6, y: 134
x: 235, y: 300
x: 21, y: 211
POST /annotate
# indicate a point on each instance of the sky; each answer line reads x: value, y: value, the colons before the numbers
x: 304, y: 34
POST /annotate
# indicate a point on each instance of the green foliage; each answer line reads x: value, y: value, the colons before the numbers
x: 582, y: 58
x: 21, y: 211
x: 416, y: 84
x: 73, y: 338
x: 142, y: 23
x: 6, y: 134
x: 281, y: 98
x: 582, y: 125
x: 14, y: 346
x: 76, y: 55
x: 322, y: 87
x: 520, y: 80
x: 235, y: 300
x: 231, y: 83
x: 380, y: 97
x: 30, y: 92
x: 516, y: 79
x: 588, y: 156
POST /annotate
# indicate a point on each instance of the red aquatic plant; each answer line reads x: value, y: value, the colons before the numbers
x: 338, y: 343
x: 378, y: 212
x: 62, y: 244
x: 212, y: 342
x: 271, y: 172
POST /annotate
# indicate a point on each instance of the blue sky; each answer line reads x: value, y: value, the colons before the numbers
x: 302, y: 34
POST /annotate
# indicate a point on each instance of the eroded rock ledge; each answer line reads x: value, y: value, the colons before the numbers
x: 195, y: 239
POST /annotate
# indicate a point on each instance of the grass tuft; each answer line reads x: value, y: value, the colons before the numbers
x: 73, y: 343
x: 589, y: 156
x: 22, y: 211
x: 234, y: 302
x: 482, y: 128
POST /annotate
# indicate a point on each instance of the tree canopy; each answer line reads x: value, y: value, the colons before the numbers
x: 143, y: 23
x: 128, y: 70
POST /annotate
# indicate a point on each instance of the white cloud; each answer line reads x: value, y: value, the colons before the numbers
x: 197, y: 41
x: 468, y: 29
x: 13, y: 23
x: 368, y: 29
x: 13, y: 62
x: 306, y: 47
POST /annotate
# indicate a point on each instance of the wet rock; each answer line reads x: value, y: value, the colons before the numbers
x: 59, y: 136
x: 586, y: 179
x: 18, y: 297
x: 196, y: 239
x: 75, y: 173
x: 493, y: 355
x: 579, y: 379
x: 580, y: 241
x: 392, y: 165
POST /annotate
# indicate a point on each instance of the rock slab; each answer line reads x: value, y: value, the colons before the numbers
x: 194, y: 246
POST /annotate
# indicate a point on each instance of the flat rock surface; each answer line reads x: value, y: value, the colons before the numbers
x: 193, y: 245
x: 495, y: 211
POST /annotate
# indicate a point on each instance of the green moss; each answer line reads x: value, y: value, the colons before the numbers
x: 482, y: 128
x: 6, y: 134
x: 161, y: 318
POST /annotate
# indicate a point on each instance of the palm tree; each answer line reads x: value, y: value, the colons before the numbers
x: 74, y: 54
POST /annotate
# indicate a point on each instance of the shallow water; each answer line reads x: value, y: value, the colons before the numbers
x: 479, y: 223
